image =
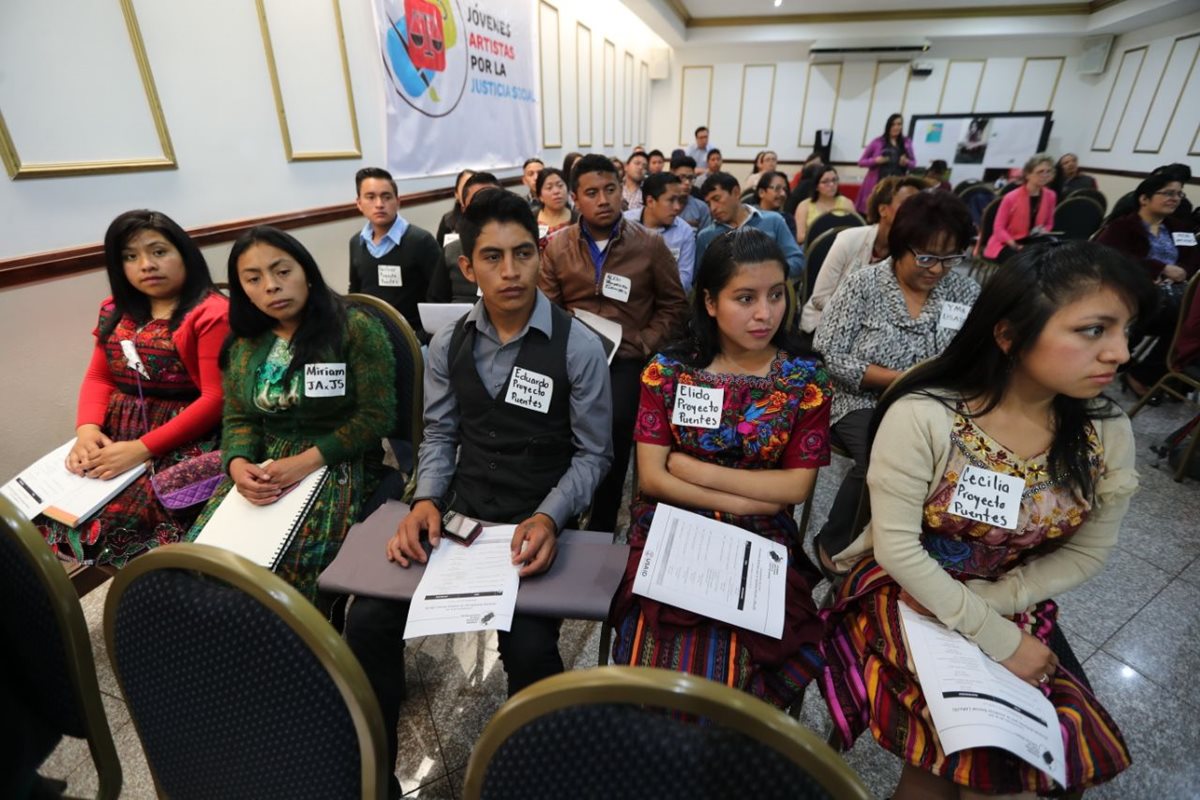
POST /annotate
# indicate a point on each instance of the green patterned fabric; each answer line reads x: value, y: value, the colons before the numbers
x: 347, y: 430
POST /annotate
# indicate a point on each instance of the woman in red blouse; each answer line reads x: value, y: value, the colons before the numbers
x: 152, y: 391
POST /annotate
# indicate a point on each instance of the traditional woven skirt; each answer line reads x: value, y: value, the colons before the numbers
x: 653, y: 634
x: 134, y: 521
x: 332, y: 513
x: 870, y: 681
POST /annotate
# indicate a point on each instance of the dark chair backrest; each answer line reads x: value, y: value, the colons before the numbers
x: 815, y: 254
x: 1078, y: 217
x: 406, y: 436
x: 1189, y: 297
x: 829, y: 221
x: 977, y: 197
x: 1093, y: 194
x: 237, y: 685
x: 48, y: 663
x: 561, y: 736
x: 987, y: 224
x: 962, y: 186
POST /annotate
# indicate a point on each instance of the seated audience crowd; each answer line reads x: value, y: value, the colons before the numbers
x: 899, y: 359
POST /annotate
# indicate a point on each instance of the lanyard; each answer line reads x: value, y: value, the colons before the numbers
x: 598, y: 256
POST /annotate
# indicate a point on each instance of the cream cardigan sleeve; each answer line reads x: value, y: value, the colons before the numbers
x: 1084, y: 554
x: 909, y: 457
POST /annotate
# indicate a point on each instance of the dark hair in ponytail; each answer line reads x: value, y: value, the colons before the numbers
x: 1024, y: 295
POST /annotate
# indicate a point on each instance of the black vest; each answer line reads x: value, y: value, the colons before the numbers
x: 403, y: 298
x: 510, y: 457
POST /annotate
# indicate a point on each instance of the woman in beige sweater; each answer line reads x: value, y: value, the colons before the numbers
x: 1016, y: 393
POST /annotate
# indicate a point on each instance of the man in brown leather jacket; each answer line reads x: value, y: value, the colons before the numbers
x: 625, y: 273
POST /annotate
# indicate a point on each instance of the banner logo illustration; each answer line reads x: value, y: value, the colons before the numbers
x: 424, y: 56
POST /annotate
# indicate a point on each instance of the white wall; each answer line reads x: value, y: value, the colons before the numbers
x: 721, y: 86
x: 601, y: 104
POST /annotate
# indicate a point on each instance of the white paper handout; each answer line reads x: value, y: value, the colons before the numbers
x: 467, y: 588
x: 976, y: 702
x: 715, y: 569
x: 608, y: 330
x: 435, y: 316
x: 47, y: 486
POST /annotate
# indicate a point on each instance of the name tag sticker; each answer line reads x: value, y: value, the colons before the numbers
x: 325, y: 380
x: 697, y: 406
x: 529, y: 389
x: 953, y: 315
x: 390, y: 275
x: 449, y: 238
x: 1184, y: 239
x: 543, y: 230
x: 133, y: 359
x: 675, y: 253
x: 986, y: 496
x: 616, y: 287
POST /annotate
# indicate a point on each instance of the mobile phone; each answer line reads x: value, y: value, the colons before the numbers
x: 460, y: 528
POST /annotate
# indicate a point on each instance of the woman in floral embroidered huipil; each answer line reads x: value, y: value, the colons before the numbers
x: 749, y: 471
x: 283, y: 317
x: 1016, y: 395
x: 164, y: 305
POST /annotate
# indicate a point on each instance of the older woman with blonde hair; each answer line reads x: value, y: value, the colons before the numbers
x: 1026, y: 213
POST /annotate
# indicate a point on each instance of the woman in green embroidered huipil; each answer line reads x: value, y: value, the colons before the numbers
x: 278, y: 428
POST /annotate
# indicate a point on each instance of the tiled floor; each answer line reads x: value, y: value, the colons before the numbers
x: 1136, y: 628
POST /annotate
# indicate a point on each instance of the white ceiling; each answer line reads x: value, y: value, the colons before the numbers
x: 766, y: 8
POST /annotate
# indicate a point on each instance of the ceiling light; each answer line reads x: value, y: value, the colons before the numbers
x: 778, y: 3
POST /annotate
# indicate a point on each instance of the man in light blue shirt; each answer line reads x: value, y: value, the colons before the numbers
x: 723, y: 195
x: 664, y: 196
x: 699, y: 152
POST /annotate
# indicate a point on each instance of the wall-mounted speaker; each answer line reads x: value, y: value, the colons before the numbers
x: 660, y: 64
x: 1094, y: 59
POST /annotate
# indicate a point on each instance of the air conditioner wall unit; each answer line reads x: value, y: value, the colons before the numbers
x: 833, y: 50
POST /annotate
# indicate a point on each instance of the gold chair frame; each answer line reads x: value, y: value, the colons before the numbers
x: 1163, y: 384
x: 672, y: 691
x: 77, y: 645
x: 417, y: 422
x: 278, y: 597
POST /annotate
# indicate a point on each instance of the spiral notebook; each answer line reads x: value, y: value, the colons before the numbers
x: 262, y: 533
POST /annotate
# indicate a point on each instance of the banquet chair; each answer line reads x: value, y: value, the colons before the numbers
x: 49, y: 674
x: 236, y: 684
x: 603, y: 733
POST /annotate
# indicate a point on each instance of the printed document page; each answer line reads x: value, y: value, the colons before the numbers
x: 715, y: 569
x: 435, y: 316
x: 608, y: 331
x: 467, y: 588
x: 47, y: 482
x: 977, y: 702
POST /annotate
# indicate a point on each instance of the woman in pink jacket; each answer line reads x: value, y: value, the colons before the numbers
x: 1025, y: 212
x: 888, y: 155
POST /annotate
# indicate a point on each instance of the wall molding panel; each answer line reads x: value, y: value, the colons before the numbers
x: 1124, y: 81
x: 1043, y: 73
x: 897, y: 71
x: 550, y: 69
x: 310, y: 78
x: 967, y: 81
x: 106, y: 124
x: 1168, y: 93
x: 758, y: 87
x: 697, y: 93
x: 583, y: 84
x: 644, y: 82
x: 627, y: 97
x: 820, y: 96
x: 610, y: 94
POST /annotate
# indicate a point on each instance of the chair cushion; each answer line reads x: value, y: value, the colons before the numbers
x: 228, y: 700
x: 616, y: 751
x: 33, y: 643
